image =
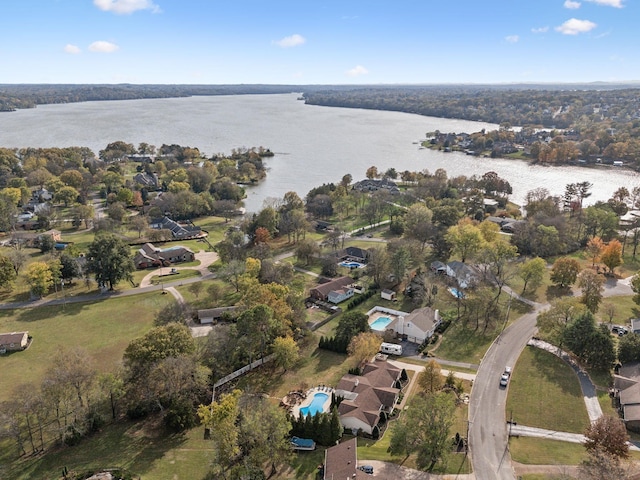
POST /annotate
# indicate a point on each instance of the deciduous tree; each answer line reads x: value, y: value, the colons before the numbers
x: 39, y: 278
x: 417, y: 222
x: 592, y: 286
x: 423, y: 429
x: 611, y: 255
x: 607, y: 434
x: 7, y: 272
x: 109, y: 259
x: 565, y: 271
x: 285, y: 351
x: 532, y: 273
x: 364, y: 346
x: 465, y: 239
x: 430, y: 379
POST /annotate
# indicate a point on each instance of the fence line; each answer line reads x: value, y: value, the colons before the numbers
x: 243, y: 370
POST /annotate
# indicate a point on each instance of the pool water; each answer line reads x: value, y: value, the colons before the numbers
x: 380, y: 323
x: 351, y: 264
x: 315, y: 406
x: 456, y: 293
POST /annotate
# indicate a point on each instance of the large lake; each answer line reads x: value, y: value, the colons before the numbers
x: 313, y: 144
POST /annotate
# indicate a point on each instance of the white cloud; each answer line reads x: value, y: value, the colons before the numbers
x: 72, y: 49
x: 571, y: 4
x: 608, y: 3
x: 357, y: 71
x: 512, y: 38
x: 540, y: 30
x: 290, y: 41
x: 573, y: 26
x: 103, y: 47
x: 126, y: 7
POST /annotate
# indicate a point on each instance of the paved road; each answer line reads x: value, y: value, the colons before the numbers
x: 488, y: 435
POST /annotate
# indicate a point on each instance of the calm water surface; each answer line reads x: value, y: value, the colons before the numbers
x: 313, y: 144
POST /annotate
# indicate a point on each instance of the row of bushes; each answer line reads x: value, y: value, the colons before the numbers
x: 333, y: 344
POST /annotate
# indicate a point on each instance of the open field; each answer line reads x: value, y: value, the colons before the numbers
x: 103, y: 328
x: 541, y: 392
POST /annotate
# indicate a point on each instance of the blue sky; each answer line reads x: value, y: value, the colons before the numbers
x: 319, y: 41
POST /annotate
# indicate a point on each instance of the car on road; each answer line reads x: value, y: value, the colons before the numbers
x: 366, y: 469
x: 504, y: 378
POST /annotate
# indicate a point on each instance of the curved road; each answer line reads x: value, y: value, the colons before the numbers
x: 488, y: 429
x: 488, y: 434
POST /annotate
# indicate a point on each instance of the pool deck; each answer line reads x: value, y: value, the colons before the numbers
x: 295, y: 411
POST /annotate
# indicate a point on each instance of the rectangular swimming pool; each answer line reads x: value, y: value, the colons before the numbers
x: 380, y: 323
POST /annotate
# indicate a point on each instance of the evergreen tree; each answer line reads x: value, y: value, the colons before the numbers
x: 336, y: 426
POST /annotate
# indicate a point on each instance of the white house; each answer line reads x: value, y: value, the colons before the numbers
x: 415, y: 327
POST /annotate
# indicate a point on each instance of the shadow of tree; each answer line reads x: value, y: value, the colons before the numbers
x: 553, y: 292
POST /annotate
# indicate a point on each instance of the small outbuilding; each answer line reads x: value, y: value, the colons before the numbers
x: 387, y: 294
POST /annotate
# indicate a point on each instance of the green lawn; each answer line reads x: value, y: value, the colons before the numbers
x: 104, y: 328
x: 544, y: 392
x: 463, y: 344
x: 538, y: 451
x: 142, y: 449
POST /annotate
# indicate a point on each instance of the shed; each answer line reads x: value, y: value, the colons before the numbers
x: 387, y: 294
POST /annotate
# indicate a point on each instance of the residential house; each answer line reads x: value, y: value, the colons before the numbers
x: 147, y: 180
x: 32, y: 239
x: 373, y: 185
x: 213, y: 315
x: 341, y: 462
x: 464, y: 274
x: 150, y: 256
x: 178, y: 230
x: 438, y: 267
x: 368, y: 397
x: 42, y: 195
x: 626, y: 386
x: 334, y: 291
x: 414, y: 327
x: 13, y: 342
x: 350, y: 254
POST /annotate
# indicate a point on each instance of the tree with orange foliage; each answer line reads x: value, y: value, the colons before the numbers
x: 611, y: 255
x: 262, y: 235
x: 595, y: 245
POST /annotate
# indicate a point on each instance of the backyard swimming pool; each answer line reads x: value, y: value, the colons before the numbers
x: 351, y: 264
x: 316, y: 405
x: 380, y: 323
x: 456, y: 293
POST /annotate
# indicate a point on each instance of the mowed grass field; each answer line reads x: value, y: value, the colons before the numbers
x: 103, y: 328
x: 541, y: 392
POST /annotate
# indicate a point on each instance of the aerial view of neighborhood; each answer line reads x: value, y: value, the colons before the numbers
x: 213, y: 270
